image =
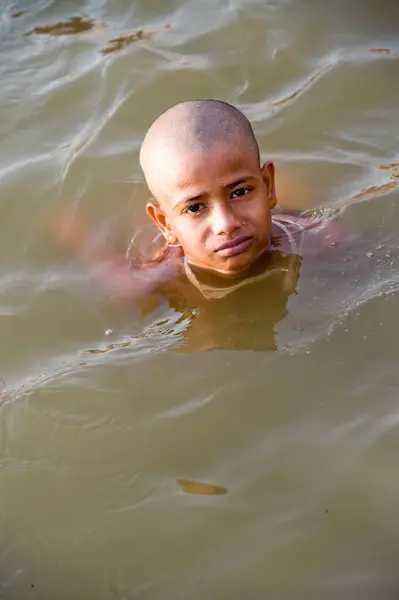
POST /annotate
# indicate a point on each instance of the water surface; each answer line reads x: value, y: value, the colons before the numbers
x: 257, y: 455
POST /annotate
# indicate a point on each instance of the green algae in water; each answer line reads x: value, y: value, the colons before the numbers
x: 71, y: 26
x: 125, y: 40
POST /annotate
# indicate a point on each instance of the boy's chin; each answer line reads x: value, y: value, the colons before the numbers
x: 239, y: 265
x: 234, y: 267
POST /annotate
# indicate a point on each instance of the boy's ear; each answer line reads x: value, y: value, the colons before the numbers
x: 155, y: 212
x: 268, y: 172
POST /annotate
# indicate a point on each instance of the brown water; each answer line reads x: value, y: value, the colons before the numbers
x: 292, y: 414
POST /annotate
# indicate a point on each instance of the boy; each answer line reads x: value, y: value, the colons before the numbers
x: 212, y: 204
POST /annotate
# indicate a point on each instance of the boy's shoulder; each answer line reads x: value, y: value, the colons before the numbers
x: 318, y: 229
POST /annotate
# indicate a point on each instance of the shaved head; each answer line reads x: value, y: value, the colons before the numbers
x: 192, y: 128
x: 212, y: 198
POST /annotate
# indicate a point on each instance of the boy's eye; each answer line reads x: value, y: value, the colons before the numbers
x: 194, y: 208
x: 241, y: 192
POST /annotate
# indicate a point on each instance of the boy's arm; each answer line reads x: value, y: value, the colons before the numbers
x: 120, y: 281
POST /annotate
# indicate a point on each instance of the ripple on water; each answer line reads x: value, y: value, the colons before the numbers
x: 101, y: 423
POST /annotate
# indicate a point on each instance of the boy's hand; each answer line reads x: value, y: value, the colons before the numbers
x: 119, y: 281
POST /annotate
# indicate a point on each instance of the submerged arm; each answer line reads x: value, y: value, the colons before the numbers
x: 119, y: 280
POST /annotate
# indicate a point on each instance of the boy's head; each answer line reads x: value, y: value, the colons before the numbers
x: 201, y: 162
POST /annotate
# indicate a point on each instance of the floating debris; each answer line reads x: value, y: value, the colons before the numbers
x: 126, y: 39
x: 202, y: 489
x: 17, y: 14
x: 303, y: 87
x: 386, y: 51
x: 393, y: 169
x: 71, y: 26
x: 381, y: 50
x: 108, y: 348
x: 376, y: 189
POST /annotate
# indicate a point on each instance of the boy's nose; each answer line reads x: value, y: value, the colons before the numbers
x: 224, y: 221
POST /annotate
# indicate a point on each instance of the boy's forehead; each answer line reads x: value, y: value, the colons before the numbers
x: 219, y: 160
x: 177, y: 173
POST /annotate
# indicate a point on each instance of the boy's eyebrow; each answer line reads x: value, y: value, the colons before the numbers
x: 229, y: 186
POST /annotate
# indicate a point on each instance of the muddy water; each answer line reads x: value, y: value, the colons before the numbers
x: 254, y: 456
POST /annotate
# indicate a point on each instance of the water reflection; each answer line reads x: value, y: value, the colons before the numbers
x: 244, y: 318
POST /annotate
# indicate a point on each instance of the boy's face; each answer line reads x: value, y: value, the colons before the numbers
x: 216, y: 205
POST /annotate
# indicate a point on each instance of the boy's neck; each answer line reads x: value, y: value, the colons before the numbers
x: 262, y: 262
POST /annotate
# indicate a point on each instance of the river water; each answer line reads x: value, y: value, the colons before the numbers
x: 290, y: 408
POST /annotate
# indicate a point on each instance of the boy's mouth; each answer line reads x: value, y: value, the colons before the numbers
x: 237, y: 246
